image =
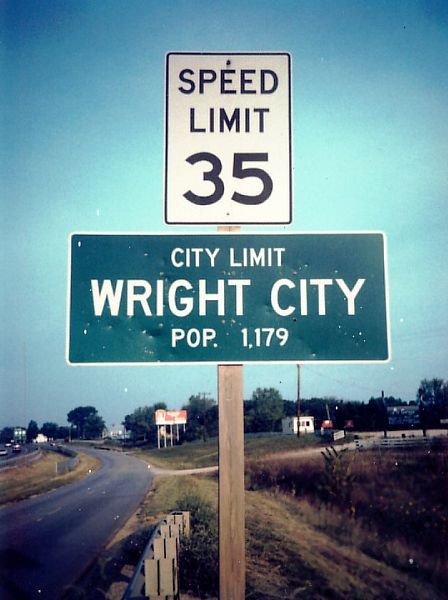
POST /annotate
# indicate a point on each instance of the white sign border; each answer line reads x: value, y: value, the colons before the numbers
x: 165, y: 177
x: 215, y: 363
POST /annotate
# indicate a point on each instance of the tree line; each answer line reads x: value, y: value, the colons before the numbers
x: 85, y: 423
x: 262, y: 412
x: 265, y: 409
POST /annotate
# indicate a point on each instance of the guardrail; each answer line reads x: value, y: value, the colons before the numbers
x: 33, y: 453
x: 157, y: 573
x: 63, y: 466
x: 20, y: 459
x: 396, y: 442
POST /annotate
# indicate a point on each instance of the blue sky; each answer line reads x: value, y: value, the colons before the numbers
x: 82, y: 89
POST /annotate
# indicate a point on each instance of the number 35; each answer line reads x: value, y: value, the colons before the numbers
x: 239, y: 172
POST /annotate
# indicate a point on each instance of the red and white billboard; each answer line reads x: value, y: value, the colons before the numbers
x: 170, y: 417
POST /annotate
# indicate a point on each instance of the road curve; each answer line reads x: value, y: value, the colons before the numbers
x: 48, y: 541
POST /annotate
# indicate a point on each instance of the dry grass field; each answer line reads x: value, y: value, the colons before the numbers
x: 39, y: 476
x: 205, y: 454
x: 357, y: 525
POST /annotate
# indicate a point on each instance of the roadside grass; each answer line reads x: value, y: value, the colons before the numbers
x: 111, y: 572
x: 39, y: 476
x: 292, y: 552
x: 293, y: 547
x: 300, y: 541
x: 389, y: 505
x: 167, y: 493
x: 191, y: 455
x: 401, y: 490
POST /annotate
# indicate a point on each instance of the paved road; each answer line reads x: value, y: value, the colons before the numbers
x: 46, y: 542
x: 28, y: 452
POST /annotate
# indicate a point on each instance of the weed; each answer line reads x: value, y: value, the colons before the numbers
x: 336, y: 482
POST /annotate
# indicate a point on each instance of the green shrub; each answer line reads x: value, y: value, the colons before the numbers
x: 199, y: 571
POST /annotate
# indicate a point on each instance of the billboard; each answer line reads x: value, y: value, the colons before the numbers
x: 170, y: 417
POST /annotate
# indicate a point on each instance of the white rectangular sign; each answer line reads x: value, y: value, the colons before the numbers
x: 228, y: 138
x: 170, y: 417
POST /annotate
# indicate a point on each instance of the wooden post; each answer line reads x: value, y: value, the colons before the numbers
x: 232, y: 560
x: 232, y: 564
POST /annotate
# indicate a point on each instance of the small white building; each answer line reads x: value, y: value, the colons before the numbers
x: 117, y: 433
x: 289, y: 425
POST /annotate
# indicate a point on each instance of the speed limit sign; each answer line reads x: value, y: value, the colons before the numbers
x: 228, y: 138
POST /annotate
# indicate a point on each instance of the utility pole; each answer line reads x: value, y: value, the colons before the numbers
x: 384, y: 414
x: 422, y: 411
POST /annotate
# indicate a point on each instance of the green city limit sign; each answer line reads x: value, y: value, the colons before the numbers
x: 227, y: 298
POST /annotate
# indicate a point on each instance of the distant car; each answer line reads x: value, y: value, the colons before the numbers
x: 8, y: 445
x: 17, y: 448
x: 3, y: 452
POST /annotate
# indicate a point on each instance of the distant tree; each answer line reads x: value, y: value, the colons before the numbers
x: 290, y: 408
x: 360, y: 413
x: 432, y: 396
x: 317, y: 407
x: 392, y: 401
x: 32, y: 431
x: 265, y: 410
x: 63, y: 432
x: 140, y: 423
x: 6, y: 434
x: 445, y: 400
x: 202, y: 417
x: 348, y: 414
x: 50, y: 430
x: 211, y: 421
x: 378, y: 414
x: 94, y: 427
x: 78, y: 417
x: 430, y: 390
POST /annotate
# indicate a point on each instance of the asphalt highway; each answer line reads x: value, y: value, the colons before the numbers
x: 47, y: 542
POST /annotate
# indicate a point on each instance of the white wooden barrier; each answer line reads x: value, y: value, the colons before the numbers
x: 397, y: 442
x: 156, y: 576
